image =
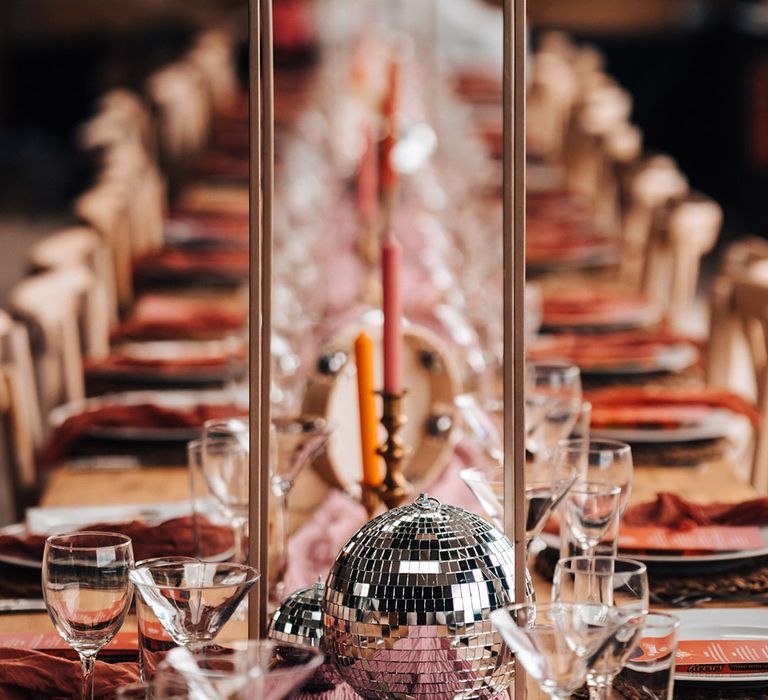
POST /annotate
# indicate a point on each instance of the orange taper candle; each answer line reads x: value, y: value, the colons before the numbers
x: 369, y: 421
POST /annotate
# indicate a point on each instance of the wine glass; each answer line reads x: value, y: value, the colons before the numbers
x: 225, y: 467
x: 552, y: 405
x: 590, y: 513
x: 298, y: 439
x: 620, y: 583
x: 600, y: 461
x: 87, y: 592
x: 190, y: 598
x: 557, y: 643
x: 279, y: 667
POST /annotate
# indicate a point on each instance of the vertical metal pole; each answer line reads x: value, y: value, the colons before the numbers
x: 257, y: 541
x: 514, y: 288
x: 260, y: 298
x: 267, y: 185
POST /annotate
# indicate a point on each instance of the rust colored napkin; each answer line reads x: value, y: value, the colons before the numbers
x: 603, y: 350
x: 167, y: 317
x: 673, y: 511
x: 173, y: 537
x: 143, y: 415
x: 233, y: 262
x: 662, y: 405
x: 568, y: 307
x: 26, y: 674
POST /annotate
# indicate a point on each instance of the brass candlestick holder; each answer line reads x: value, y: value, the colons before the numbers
x: 395, y: 488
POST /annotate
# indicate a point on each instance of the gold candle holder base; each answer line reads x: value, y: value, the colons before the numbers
x: 395, y: 488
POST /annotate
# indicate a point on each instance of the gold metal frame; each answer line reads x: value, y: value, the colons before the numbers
x: 514, y: 290
x: 261, y: 75
x: 261, y: 199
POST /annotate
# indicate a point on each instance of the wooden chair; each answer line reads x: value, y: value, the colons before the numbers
x: 81, y: 245
x: 106, y: 208
x: 723, y: 325
x: 214, y: 56
x: 54, y: 306
x: 655, y: 186
x: 750, y: 307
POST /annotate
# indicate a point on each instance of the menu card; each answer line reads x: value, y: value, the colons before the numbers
x: 722, y: 656
x: 717, y: 538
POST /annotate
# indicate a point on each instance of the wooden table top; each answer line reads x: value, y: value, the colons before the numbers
x: 66, y: 487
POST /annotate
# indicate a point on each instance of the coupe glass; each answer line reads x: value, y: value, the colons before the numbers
x: 590, y: 513
x: 87, y: 591
x: 271, y: 669
x: 190, y: 598
x: 552, y: 405
x: 557, y: 643
x: 225, y: 467
x: 620, y: 583
x: 542, y: 495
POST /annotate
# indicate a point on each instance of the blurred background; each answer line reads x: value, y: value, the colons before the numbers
x: 697, y: 70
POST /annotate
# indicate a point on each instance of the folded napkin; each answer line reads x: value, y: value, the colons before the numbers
x: 662, y: 405
x: 144, y: 415
x: 569, y: 307
x: 158, y: 317
x: 233, y: 262
x: 673, y: 511
x: 118, y: 362
x: 173, y: 537
x: 605, y: 350
x: 26, y: 674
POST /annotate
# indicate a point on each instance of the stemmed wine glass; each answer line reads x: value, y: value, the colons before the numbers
x: 225, y: 467
x: 87, y: 592
x: 552, y: 405
x: 590, y: 512
x: 557, y: 643
x: 620, y: 583
x: 600, y: 461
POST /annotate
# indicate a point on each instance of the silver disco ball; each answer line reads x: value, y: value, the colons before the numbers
x: 299, y: 620
x: 407, y: 604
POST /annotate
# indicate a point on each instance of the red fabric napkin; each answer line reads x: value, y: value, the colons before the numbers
x: 145, y: 415
x: 233, y: 262
x: 26, y: 674
x: 568, y: 307
x: 662, y: 405
x: 181, y: 365
x: 173, y: 537
x: 590, y: 350
x: 673, y: 511
x: 159, y: 317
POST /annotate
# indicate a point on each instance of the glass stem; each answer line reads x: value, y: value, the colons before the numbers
x: 88, y: 663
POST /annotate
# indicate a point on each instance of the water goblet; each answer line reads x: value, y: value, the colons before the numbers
x: 87, y: 592
x: 267, y: 667
x: 590, y: 513
x: 557, y: 643
x: 600, y: 461
x: 225, y: 468
x: 620, y: 583
x: 191, y: 600
x: 552, y: 405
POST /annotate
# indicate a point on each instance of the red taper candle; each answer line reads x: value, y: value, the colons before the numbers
x: 368, y: 181
x: 391, y: 254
